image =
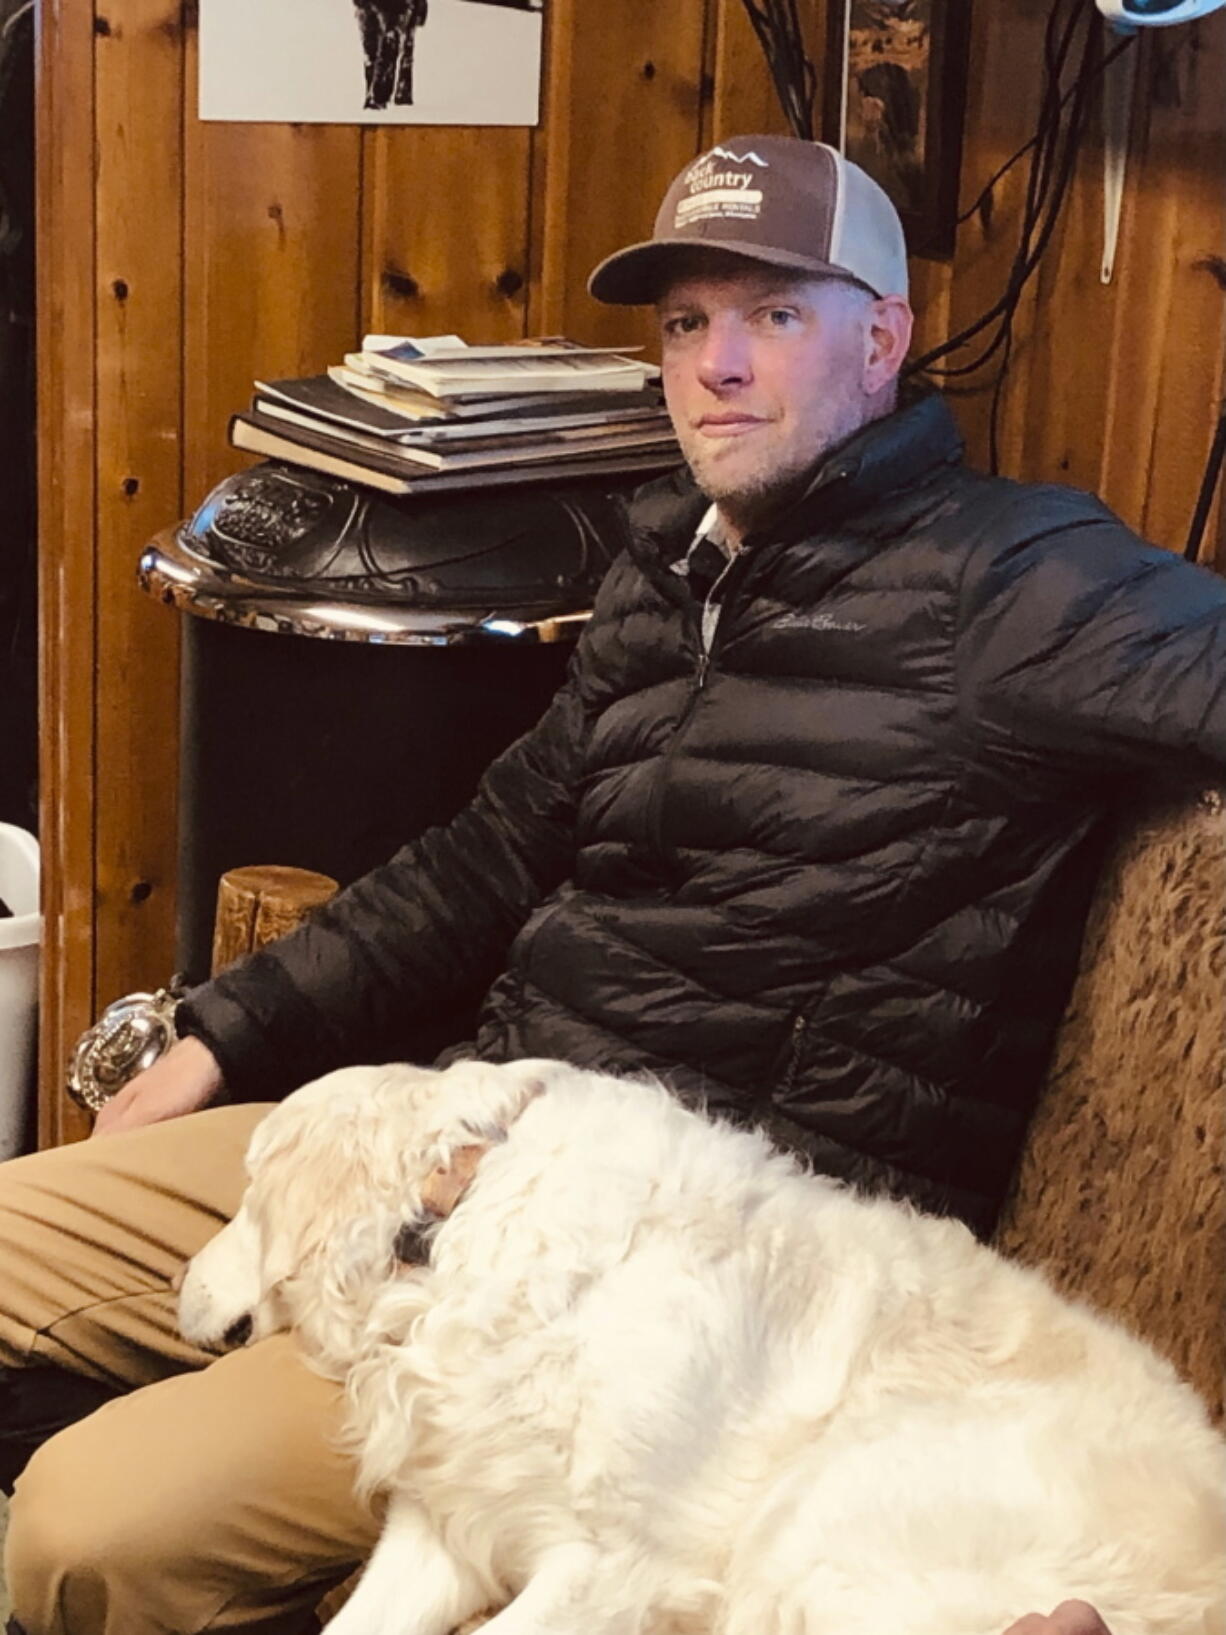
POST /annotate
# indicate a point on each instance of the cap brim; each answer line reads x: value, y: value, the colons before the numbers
x: 635, y: 276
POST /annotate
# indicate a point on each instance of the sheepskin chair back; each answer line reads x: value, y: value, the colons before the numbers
x: 1120, y: 1194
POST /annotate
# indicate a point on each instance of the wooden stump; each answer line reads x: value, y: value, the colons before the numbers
x: 256, y: 905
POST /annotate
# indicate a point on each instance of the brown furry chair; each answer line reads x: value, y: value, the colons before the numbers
x: 1120, y: 1193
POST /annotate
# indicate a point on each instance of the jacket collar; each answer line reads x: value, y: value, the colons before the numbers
x: 888, y: 455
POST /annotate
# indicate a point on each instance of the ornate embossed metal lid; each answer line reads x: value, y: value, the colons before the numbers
x: 284, y: 549
x: 295, y: 528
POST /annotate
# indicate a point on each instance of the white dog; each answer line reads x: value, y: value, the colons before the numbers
x: 641, y: 1373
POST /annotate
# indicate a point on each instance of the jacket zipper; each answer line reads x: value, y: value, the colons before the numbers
x: 800, y: 1026
x: 708, y: 623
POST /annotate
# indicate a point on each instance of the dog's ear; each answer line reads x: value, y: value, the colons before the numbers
x: 481, y: 1100
x: 441, y: 1191
x: 447, y: 1183
x: 531, y: 1077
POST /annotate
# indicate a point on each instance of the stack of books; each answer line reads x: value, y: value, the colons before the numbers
x: 412, y: 416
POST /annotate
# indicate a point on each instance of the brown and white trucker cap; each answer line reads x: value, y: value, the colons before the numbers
x: 774, y: 199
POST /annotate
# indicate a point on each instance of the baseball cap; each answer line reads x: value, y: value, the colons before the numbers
x: 775, y: 199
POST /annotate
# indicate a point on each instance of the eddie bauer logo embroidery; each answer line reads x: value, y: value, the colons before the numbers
x: 818, y: 621
x: 716, y: 192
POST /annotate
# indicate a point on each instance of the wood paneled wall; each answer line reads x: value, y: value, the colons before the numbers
x: 180, y: 259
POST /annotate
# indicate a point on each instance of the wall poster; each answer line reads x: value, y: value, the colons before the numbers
x: 895, y: 98
x: 379, y: 62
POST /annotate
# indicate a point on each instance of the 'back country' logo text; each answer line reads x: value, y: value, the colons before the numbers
x: 716, y: 192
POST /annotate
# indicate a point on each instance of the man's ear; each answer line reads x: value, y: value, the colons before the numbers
x: 887, y: 338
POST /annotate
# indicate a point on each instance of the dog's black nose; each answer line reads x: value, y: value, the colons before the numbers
x: 238, y: 1333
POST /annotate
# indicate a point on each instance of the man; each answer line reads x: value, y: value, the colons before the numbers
x: 808, y: 831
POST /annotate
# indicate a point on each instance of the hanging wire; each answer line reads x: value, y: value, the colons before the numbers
x: 982, y: 201
x: 1209, y: 482
x: 777, y: 25
x: 1053, y: 151
x: 15, y: 17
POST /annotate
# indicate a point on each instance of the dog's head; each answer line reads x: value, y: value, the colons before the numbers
x: 347, y: 1179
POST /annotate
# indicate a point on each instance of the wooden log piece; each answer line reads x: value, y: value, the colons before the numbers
x: 256, y: 905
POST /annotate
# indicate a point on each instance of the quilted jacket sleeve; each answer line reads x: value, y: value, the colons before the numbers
x: 409, y: 936
x: 1092, y: 650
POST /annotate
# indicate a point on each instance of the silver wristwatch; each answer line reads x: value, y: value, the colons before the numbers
x: 128, y: 1037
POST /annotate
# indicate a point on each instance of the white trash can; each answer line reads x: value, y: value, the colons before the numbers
x: 20, y: 936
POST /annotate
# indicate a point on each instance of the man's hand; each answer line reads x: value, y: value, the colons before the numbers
x: 1069, y: 1618
x: 185, y: 1079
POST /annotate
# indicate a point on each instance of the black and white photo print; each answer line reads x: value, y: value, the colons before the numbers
x: 407, y: 62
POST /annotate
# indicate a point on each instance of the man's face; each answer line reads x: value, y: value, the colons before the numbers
x: 763, y: 373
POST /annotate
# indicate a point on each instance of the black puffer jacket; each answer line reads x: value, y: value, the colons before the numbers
x: 830, y: 876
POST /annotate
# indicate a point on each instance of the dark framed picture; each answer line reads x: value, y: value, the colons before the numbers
x: 895, y: 94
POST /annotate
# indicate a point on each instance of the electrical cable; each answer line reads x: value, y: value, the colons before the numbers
x: 984, y: 195
x: 777, y: 26
x: 1040, y: 209
x: 1209, y: 482
x: 1053, y: 150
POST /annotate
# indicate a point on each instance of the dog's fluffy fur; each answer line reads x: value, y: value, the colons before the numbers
x: 656, y: 1380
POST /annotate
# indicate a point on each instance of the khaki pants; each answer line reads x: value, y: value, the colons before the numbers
x: 210, y: 1498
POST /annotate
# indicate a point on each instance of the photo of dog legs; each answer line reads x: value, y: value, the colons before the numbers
x: 389, y: 29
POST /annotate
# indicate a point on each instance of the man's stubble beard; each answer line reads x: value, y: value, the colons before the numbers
x: 750, y: 497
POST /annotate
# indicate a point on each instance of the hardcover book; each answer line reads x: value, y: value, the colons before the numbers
x: 392, y: 470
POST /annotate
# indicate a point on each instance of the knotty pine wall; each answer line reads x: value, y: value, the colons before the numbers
x: 180, y: 259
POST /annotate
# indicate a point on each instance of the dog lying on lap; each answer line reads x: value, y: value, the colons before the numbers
x: 644, y: 1375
